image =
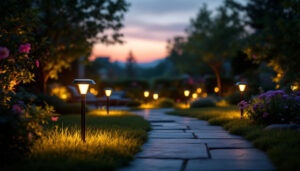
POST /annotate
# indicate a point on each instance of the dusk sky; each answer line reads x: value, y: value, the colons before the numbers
x: 149, y: 24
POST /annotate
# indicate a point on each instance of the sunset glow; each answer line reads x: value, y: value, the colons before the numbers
x: 143, y: 50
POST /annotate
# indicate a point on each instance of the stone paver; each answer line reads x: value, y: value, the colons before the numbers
x: 238, y: 154
x: 221, y: 165
x: 171, y: 135
x: 154, y: 165
x: 173, y: 151
x: 188, y: 144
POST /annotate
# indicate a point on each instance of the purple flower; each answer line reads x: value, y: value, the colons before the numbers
x: 243, y: 104
x: 4, y: 52
x: 266, y: 114
x: 255, y: 106
x: 285, y: 96
x: 286, y: 107
x: 24, y: 48
x: 297, y: 98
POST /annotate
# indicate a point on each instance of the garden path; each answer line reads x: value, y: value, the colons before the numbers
x: 187, y: 144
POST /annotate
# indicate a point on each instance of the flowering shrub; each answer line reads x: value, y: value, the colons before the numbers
x: 274, y: 107
x: 21, y: 121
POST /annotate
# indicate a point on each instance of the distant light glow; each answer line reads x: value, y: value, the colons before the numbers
x: 155, y: 96
x: 108, y: 92
x: 146, y: 94
x: 294, y: 87
x: 216, y: 89
x: 199, y: 90
x: 186, y: 93
x: 194, y: 95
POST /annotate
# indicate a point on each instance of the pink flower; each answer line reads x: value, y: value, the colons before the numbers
x: 4, y: 52
x: 30, y: 137
x: 24, y: 48
x: 254, y: 56
x: 54, y: 118
x: 16, y: 108
x: 266, y: 114
x: 37, y: 63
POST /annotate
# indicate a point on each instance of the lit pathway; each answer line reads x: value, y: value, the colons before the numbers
x: 185, y: 144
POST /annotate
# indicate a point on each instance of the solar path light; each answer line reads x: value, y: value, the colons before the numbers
x: 83, y: 86
x: 107, y: 94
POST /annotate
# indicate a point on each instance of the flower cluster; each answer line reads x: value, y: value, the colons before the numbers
x: 274, y: 107
x: 243, y: 104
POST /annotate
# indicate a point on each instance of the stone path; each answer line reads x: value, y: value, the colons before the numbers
x: 187, y: 144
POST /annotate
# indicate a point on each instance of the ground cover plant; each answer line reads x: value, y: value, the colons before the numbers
x: 282, y: 146
x: 111, y: 141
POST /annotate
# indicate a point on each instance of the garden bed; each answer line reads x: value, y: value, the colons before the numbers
x: 282, y: 146
x: 111, y: 142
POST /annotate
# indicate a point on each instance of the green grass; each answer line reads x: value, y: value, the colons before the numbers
x: 282, y: 146
x: 111, y: 142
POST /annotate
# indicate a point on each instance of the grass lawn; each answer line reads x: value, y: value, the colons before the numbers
x: 282, y: 146
x: 111, y: 141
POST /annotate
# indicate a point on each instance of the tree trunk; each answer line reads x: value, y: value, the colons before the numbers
x: 217, y: 70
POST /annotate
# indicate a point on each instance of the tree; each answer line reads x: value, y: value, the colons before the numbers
x: 71, y: 27
x: 215, y: 39
x: 275, y: 37
x: 131, y: 65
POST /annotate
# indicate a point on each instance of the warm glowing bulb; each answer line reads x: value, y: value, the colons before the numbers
x: 155, y: 96
x: 294, y: 87
x: 146, y: 94
x: 108, y: 92
x: 199, y: 90
x: 242, y: 87
x: 186, y: 92
x: 216, y: 89
x: 204, y: 95
x: 83, y: 88
x: 194, y: 95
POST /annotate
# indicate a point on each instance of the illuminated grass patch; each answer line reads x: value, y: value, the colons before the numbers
x: 111, y: 141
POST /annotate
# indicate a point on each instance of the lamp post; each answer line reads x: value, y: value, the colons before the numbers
x: 107, y: 94
x: 155, y: 96
x: 146, y: 95
x: 242, y: 87
x: 186, y: 94
x: 83, y: 85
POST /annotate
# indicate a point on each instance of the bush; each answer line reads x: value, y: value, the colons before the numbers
x: 59, y: 105
x: 165, y: 103
x: 134, y: 103
x: 273, y: 107
x: 203, y: 102
x: 234, y: 98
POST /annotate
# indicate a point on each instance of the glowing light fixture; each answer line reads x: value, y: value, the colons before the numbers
x: 294, y: 87
x: 83, y: 85
x: 186, y: 93
x: 194, y: 95
x: 242, y: 87
x: 199, y: 90
x: 216, y: 89
x: 107, y: 94
x: 155, y: 96
x: 146, y: 94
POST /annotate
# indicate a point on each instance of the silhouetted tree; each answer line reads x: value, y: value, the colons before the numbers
x: 131, y: 66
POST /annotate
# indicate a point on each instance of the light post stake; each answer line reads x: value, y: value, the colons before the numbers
x: 83, y: 85
x: 107, y: 93
x: 83, y: 102
x: 107, y: 105
x: 242, y: 87
x: 186, y: 94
